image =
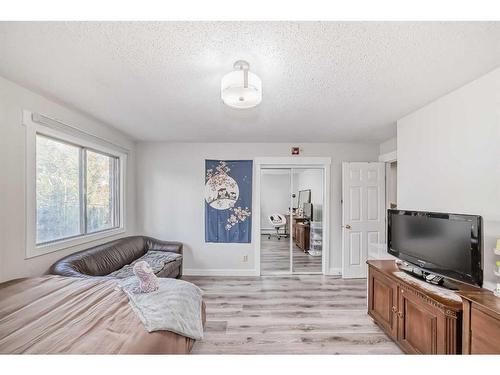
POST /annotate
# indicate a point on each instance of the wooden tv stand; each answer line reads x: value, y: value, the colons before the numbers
x: 481, y: 323
x: 420, y: 321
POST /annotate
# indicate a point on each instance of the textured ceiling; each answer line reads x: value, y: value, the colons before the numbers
x: 322, y: 81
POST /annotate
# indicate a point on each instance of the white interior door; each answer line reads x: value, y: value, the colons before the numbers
x: 363, y: 214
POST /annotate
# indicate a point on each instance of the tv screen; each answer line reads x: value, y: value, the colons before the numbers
x: 446, y: 244
x: 308, y: 210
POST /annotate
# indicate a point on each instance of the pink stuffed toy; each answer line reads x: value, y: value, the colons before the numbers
x: 148, y: 282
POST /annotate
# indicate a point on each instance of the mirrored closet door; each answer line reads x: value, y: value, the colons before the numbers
x: 292, y: 201
x: 306, y: 220
x: 274, y: 221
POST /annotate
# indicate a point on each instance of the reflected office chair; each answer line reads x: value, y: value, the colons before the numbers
x: 278, y: 221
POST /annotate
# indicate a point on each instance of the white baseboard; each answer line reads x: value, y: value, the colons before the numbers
x: 219, y: 272
x: 238, y: 272
x: 270, y: 231
x: 267, y: 231
x: 335, y: 272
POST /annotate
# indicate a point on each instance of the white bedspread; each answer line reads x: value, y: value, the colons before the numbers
x: 174, y: 307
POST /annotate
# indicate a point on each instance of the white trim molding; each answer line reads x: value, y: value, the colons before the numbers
x: 288, y: 161
x: 32, y: 129
x: 219, y: 272
x: 323, y: 163
x: 81, y: 134
x: 389, y: 157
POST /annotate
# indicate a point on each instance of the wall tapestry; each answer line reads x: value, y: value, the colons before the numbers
x: 228, y: 201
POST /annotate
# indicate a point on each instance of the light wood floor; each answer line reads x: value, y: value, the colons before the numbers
x: 303, y: 314
x: 275, y: 257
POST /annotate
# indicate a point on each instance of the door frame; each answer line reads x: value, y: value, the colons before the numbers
x: 323, y: 163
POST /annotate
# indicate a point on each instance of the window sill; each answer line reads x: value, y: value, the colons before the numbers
x: 35, y: 251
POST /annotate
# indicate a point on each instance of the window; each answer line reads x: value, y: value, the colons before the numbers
x: 76, y: 190
x: 74, y: 187
x: 58, y: 194
x: 100, y: 191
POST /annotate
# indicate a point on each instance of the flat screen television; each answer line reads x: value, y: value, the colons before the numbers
x: 308, y: 210
x: 445, y: 244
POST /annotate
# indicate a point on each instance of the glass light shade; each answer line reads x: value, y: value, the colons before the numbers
x: 236, y: 95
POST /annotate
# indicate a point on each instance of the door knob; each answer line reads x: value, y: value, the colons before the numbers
x: 347, y: 226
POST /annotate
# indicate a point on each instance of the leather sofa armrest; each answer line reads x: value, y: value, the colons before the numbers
x: 158, y: 245
x: 70, y: 270
x: 67, y: 270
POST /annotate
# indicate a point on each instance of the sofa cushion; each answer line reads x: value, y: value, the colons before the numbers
x: 156, y: 259
x: 171, y: 269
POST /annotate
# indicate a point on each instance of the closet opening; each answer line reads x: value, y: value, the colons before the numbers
x: 291, y: 220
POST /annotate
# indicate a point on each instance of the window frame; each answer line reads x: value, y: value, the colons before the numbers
x: 116, y: 187
x: 32, y: 130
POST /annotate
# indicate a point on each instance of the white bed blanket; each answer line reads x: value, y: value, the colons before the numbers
x: 174, y: 307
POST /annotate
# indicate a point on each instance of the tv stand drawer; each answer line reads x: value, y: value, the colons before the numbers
x: 485, y: 333
x: 481, y: 322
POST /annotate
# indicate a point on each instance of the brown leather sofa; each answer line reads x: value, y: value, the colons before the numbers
x: 101, y: 260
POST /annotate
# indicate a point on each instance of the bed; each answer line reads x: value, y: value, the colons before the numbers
x: 66, y: 315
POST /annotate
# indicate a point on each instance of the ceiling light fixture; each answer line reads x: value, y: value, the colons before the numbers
x: 241, y: 88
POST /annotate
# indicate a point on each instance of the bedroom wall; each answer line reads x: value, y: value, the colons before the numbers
x: 449, y: 158
x: 275, y: 196
x: 170, y: 186
x: 13, y: 100
x: 388, y: 146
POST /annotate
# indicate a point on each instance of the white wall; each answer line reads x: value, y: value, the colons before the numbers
x: 275, y: 196
x: 170, y: 185
x: 449, y: 158
x: 388, y: 146
x: 391, y: 183
x: 13, y: 99
x: 312, y: 179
